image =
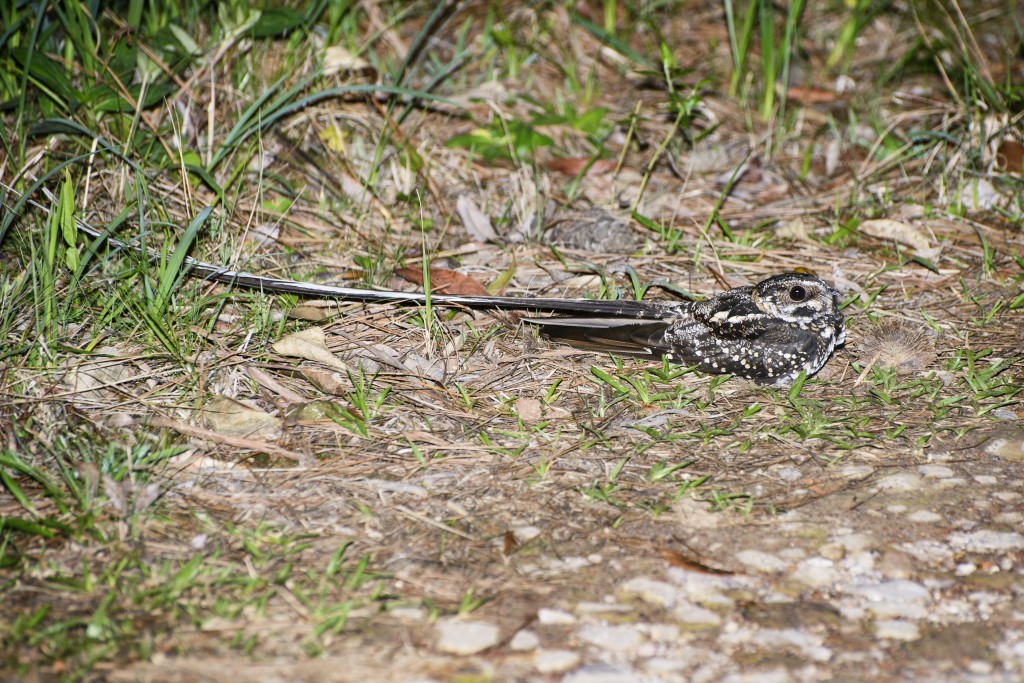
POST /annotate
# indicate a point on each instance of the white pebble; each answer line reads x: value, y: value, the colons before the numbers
x: 896, y: 630
x: 555, y: 661
x: 465, y: 637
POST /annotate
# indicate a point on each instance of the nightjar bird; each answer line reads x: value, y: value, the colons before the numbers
x: 770, y: 333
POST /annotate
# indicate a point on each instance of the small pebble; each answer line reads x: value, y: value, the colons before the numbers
x: 653, y: 592
x: 896, y: 630
x: 554, y: 617
x: 555, y: 661
x: 524, y: 641
x: 460, y: 637
x: 980, y: 666
x: 621, y: 638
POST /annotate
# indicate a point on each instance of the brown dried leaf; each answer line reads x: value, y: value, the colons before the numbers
x: 1010, y: 156
x: 310, y: 344
x: 574, y: 167
x: 810, y: 95
x: 677, y: 559
x: 445, y: 281
x: 327, y: 381
x: 310, y: 313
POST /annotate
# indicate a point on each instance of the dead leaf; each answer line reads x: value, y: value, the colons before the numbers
x: 445, y: 281
x: 310, y: 313
x: 90, y: 376
x: 677, y: 559
x: 509, y: 543
x: 574, y: 167
x: 310, y: 344
x: 1010, y: 156
x: 529, y: 410
x: 979, y: 194
x: 227, y: 416
x: 328, y: 381
x: 810, y: 95
x: 337, y: 59
x: 477, y: 223
x: 795, y: 229
x: 895, y: 231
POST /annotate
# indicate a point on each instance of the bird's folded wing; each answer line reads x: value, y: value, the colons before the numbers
x: 623, y: 336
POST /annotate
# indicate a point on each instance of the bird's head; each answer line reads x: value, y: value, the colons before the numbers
x: 796, y: 297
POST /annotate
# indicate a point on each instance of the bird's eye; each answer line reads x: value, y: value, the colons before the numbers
x: 797, y: 293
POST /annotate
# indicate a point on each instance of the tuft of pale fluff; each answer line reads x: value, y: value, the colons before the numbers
x: 895, y: 344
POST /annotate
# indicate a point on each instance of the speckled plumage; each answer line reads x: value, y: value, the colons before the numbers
x: 784, y: 325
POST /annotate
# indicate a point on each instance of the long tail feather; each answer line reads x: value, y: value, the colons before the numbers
x: 636, y: 310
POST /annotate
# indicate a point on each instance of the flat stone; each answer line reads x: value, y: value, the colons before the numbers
x: 584, y: 608
x: 460, y: 637
x: 901, y: 481
x: 778, y: 640
x: 928, y: 551
x: 936, y: 471
x: 987, y: 541
x: 896, y: 630
x: 1007, y: 444
x: 888, y: 591
x: 524, y: 641
x: 762, y: 561
x: 924, y: 517
x: 621, y: 638
x: 553, y: 617
x: 526, y: 533
x: 651, y: 591
x: 555, y: 661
